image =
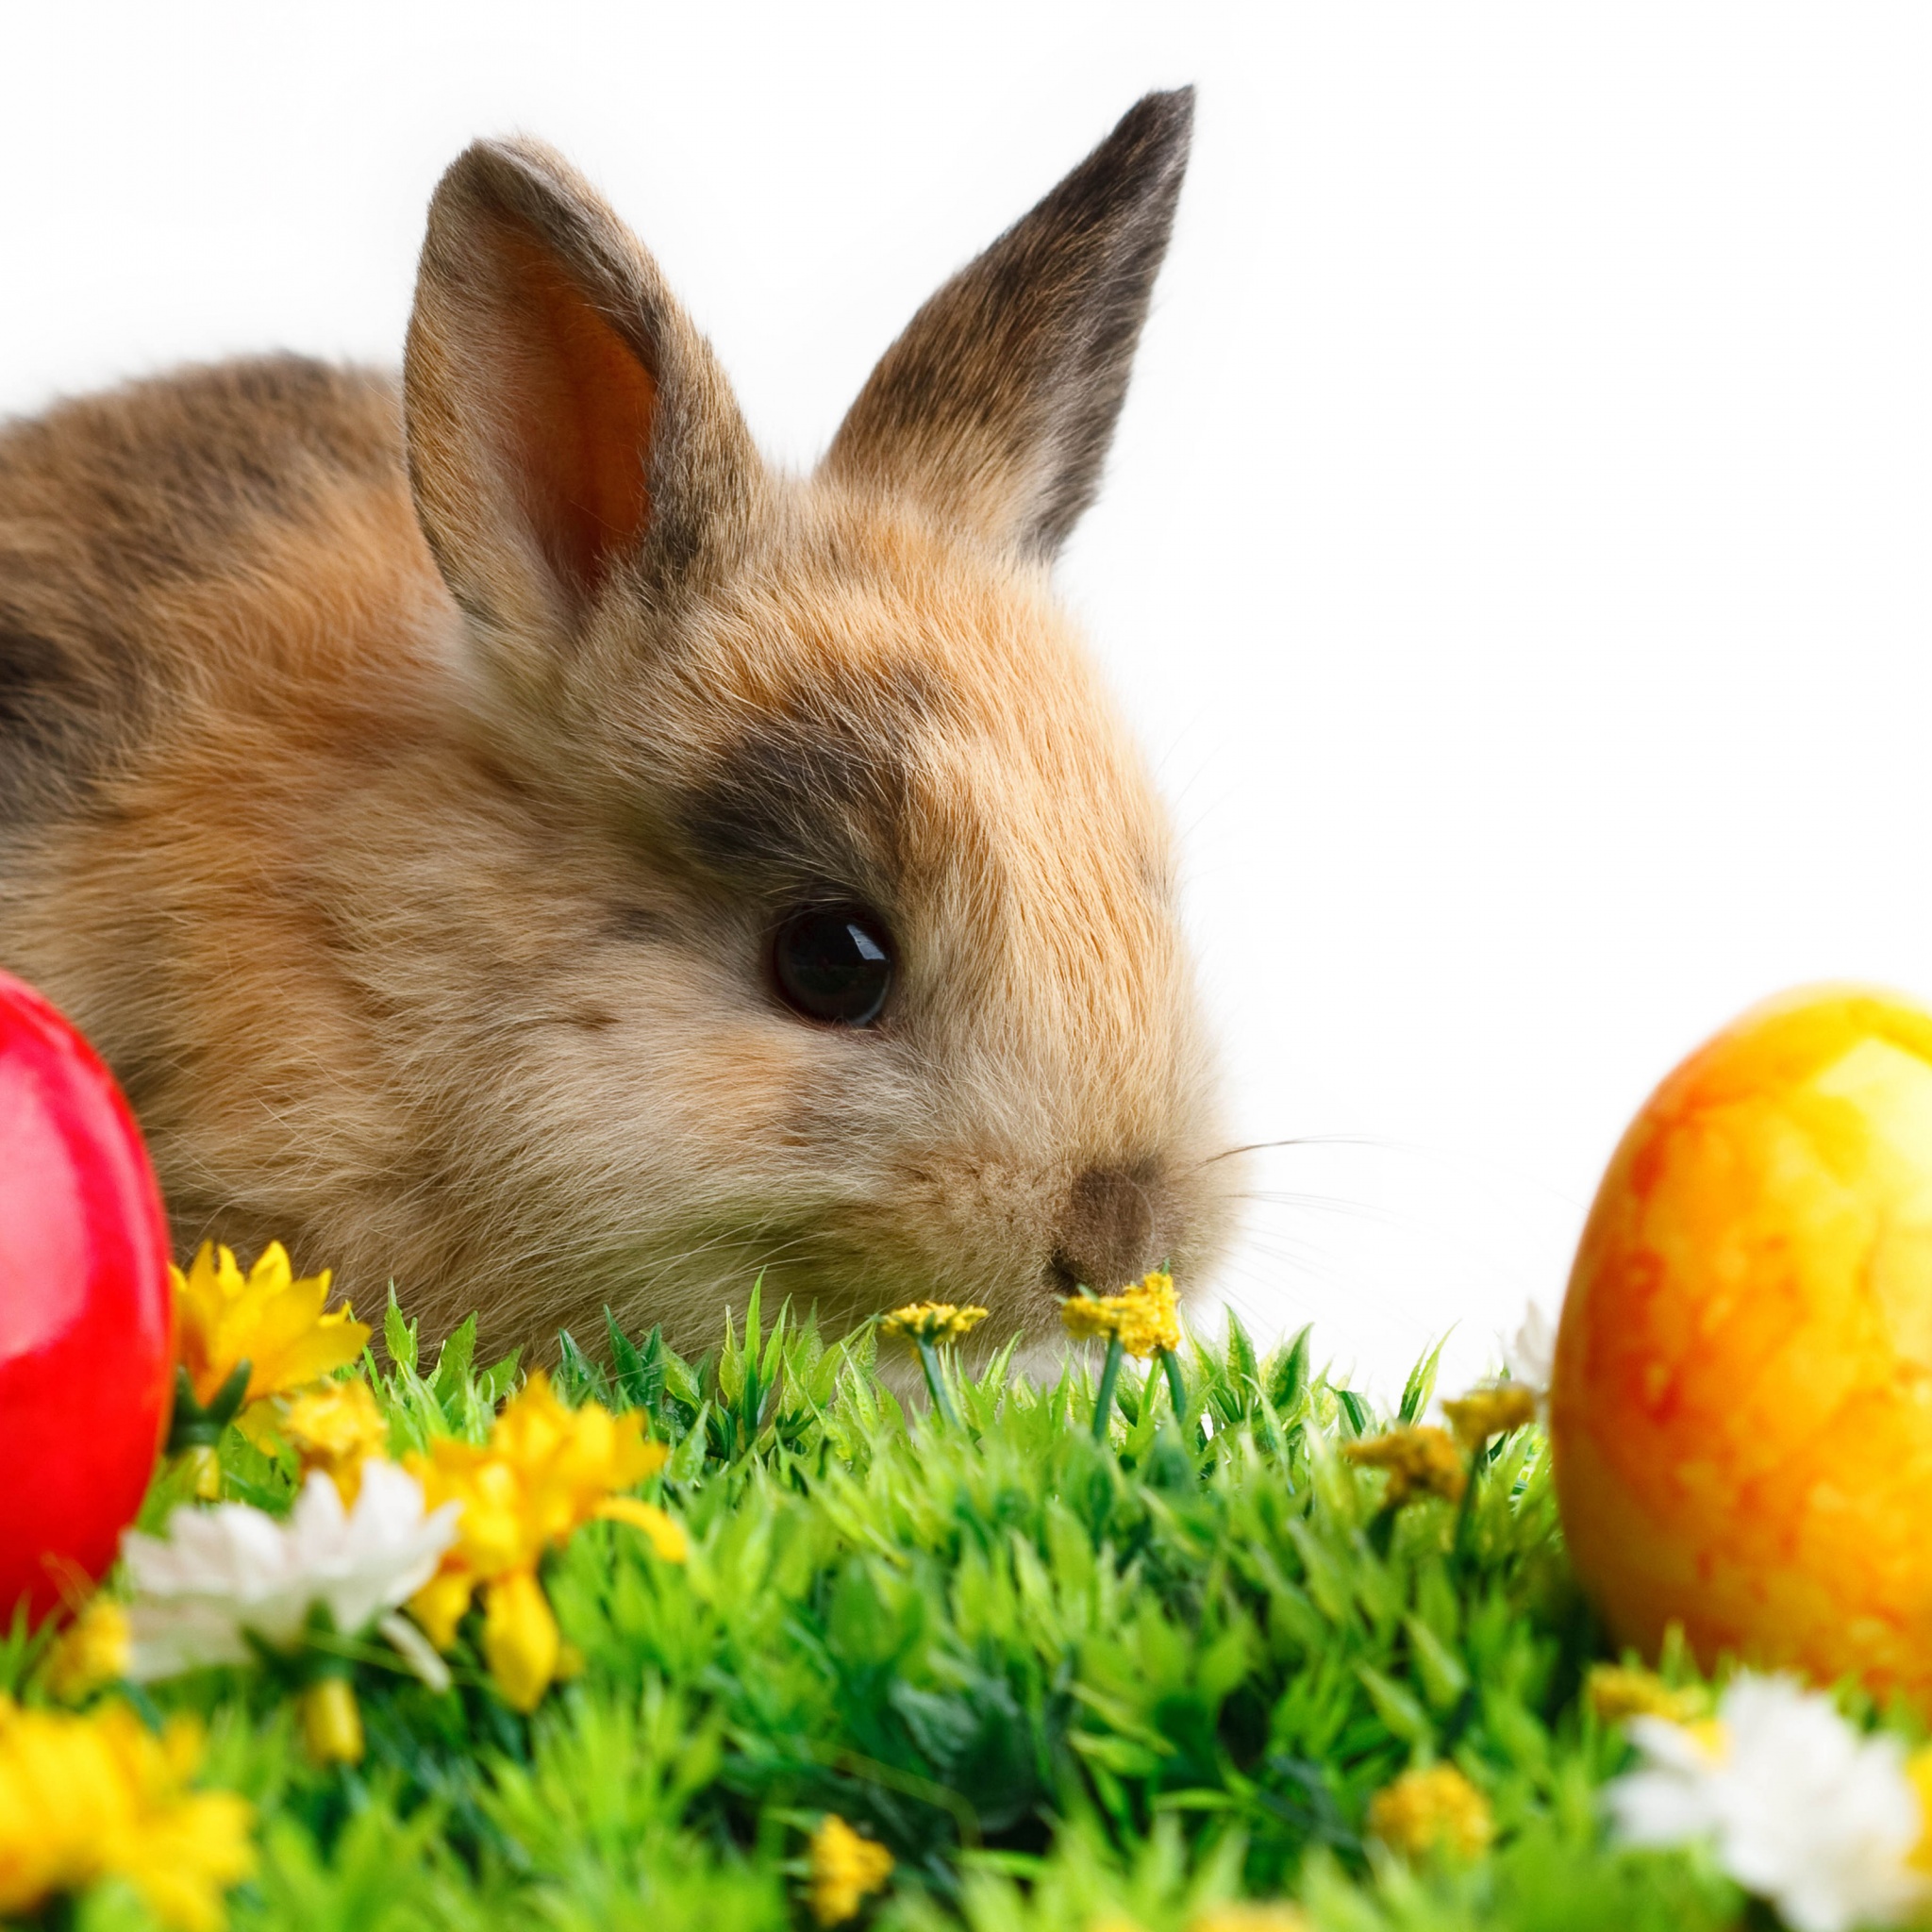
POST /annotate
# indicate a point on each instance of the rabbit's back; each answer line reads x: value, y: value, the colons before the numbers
x: 127, y: 519
x: 224, y: 724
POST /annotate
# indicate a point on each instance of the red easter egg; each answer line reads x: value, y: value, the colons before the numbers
x: 86, y: 1310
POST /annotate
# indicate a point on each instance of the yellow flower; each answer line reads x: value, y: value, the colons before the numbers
x: 1435, y: 1809
x: 1088, y: 1318
x: 88, y: 1797
x: 270, y: 1319
x: 1493, y: 1411
x: 520, y: 1641
x: 1145, y: 1316
x: 1150, y: 1317
x: 337, y: 1428
x: 92, y: 1651
x: 666, y: 1533
x: 1617, y: 1694
x: 439, y: 1605
x: 932, y: 1322
x: 1918, y: 1775
x: 545, y: 1471
x: 844, y: 1869
x: 331, y: 1723
x: 1238, y: 1915
x: 1421, y: 1459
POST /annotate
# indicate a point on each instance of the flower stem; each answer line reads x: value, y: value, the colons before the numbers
x: 1109, y: 1374
x: 193, y: 1426
x: 930, y: 1361
x: 1177, y: 1389
x: 1465, y: 1517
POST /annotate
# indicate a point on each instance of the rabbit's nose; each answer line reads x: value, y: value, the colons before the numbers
x: 1118, y: 1222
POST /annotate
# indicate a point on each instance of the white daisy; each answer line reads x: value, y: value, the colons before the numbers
x: 1530, y: 1354
x: 1804, y: 1811
x: 232, y: 1568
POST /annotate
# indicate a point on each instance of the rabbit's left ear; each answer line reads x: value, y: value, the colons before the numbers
x: 564, y: 420
x: 996, y: 406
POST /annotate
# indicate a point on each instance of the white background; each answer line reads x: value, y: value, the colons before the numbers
x: 1515, y: 551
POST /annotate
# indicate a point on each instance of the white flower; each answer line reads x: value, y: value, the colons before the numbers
x: 233, y: 1569
x: 1806, y: 1812
x: 1674, y: 1799
x: 1530, y: 1354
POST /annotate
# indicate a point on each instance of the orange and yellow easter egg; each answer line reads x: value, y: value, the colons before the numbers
x: 1741, y: 1408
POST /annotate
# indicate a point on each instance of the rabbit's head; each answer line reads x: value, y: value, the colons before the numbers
x: 885, y: 995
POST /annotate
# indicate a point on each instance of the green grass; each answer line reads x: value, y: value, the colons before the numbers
x: 1070, y: 1684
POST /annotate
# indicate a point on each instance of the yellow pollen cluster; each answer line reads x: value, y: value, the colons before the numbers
x: 1617, y: 1694
x: 1712, y: 1737
x: 845, y: 1868
x: 337, y: 1428
x: 92, y: 1651
x: 1145, y: 1316
x: 932, y: 1322
x: 1434, y: 1810
x: 1420, y: 1458
x: 86, y: 1798
x: 544, y: 1471
x: 1486, y: 1412
x: 267, y: 1319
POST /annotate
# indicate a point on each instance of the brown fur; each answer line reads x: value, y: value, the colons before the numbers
x: 421, y: 893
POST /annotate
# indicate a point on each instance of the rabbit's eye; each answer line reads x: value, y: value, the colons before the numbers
x: 834, y: 963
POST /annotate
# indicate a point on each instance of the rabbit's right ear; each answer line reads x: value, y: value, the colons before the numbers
x: 564, y: 420
x: 996, y: 406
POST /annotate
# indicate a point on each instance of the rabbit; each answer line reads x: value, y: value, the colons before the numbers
x: 510, y: 840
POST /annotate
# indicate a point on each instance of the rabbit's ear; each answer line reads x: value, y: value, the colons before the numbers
x: 996, y: 406
x: 565, y: 422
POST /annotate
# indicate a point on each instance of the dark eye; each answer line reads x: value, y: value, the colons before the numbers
x: 834, y: 963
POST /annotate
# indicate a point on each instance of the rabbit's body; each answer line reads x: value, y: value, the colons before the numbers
x: 422, y: 893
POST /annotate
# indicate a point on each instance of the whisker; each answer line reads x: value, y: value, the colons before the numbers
x: 1336, y: 1203
x: 1298, y: 1140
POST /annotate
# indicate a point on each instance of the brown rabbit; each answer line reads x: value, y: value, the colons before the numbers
x: 507, y: 838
